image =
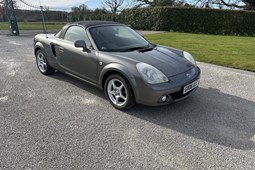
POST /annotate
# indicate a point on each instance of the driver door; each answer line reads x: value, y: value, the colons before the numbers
x: 74, y: 60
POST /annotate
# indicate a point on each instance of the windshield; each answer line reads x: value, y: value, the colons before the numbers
x: 117, y: 38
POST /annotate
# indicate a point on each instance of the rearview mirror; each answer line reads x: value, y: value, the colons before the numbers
x: 81, y: 44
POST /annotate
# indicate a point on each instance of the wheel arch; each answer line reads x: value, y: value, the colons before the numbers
x: 38, y: 46
x: 116, y: 69
x: 109, y: 73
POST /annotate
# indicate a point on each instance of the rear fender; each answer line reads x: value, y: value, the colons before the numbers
x: 38, y: 46
x: 48, y: 54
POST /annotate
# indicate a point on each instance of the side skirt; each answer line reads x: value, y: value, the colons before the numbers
x: 86, y: 81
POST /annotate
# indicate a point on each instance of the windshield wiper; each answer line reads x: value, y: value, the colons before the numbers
x: 148, y: 48
x: 134, y: 48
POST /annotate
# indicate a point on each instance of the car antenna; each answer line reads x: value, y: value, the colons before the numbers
x: 43, y: 20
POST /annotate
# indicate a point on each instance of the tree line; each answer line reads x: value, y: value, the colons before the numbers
x: 111, y: 9
x: 77, y: 14
x: 116, y: 6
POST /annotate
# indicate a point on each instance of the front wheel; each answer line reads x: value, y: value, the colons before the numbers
x: 119, y: 92
x: 42, y: 63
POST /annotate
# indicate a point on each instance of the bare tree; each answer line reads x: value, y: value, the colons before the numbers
x: 232, y: 4
x: 114, y: 6
x: 154, y: 3
x: 238, y: 4
x: 235, y: 3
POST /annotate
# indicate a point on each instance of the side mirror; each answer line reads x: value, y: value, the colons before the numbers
x: 81, y: 44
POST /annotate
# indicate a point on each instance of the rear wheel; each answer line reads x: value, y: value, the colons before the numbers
x: 42, y: 63
x: 119, y: 92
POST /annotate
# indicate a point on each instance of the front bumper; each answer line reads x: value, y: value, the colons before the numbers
x: 151, y: 95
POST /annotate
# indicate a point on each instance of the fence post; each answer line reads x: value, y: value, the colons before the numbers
x: 14, y: 29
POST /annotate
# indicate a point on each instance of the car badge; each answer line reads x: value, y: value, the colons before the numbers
x: 188, y: 75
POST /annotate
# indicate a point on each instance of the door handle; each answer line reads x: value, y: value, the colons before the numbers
x: 61, y: 49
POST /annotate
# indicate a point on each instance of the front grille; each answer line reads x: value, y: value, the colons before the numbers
x: 179, y: 94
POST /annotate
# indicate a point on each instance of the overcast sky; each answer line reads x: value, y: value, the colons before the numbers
x: 67, y: 4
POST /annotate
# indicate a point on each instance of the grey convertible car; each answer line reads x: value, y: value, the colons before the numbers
x: 115, y: 58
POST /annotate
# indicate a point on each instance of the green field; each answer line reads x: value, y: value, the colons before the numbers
x: 229, y: 51
x: 33, y: 26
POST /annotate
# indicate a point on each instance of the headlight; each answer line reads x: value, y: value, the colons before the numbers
x: 189, y: 57
x: 150, y: 74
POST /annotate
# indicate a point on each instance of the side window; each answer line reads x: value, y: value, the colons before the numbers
x: 75, y: 33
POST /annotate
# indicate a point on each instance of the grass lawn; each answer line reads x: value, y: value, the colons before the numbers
x: 229, y: 51
x: 33, y: 26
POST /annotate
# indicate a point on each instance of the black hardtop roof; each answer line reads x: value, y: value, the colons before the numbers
x: 87, y: 24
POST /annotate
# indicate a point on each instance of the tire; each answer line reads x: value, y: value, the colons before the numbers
x: 119, y: 92
x: 42, y: 63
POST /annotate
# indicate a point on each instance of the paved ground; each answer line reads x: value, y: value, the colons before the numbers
x: 58, y: 122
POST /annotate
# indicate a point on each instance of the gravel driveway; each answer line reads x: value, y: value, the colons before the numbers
x: 58, y: 122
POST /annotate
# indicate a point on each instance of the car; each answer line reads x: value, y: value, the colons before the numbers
x: 118, y: 60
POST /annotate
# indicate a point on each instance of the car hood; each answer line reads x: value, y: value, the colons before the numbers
x: 161, y: 58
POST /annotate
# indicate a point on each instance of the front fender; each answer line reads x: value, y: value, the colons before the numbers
x: 116, y: 67
x: 38, y: 45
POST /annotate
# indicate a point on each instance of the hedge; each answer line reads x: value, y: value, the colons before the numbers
x: 193, y: 20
